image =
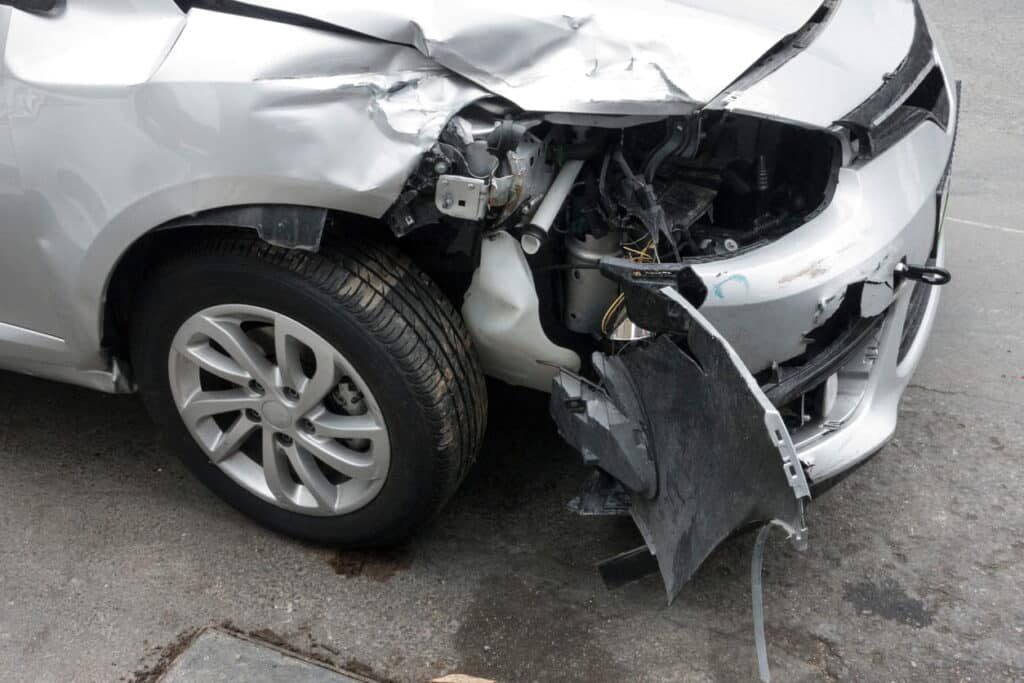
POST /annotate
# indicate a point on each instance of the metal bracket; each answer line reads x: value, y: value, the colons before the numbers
x: 462, y: 197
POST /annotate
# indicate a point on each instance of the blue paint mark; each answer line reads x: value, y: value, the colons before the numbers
x: 718, y: 288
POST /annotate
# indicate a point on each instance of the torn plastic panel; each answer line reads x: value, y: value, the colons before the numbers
x: 291, y: 227
x: 601, y: 421
x: 720, y: 452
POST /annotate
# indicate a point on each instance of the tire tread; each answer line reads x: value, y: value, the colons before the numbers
x: 418, y: 327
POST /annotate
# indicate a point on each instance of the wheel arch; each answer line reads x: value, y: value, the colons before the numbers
x: 288, y: 226
x: 282, y: 225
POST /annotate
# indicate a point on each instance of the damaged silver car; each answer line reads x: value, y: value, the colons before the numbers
x: 305, y: 231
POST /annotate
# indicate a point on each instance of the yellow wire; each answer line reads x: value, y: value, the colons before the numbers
x: 639, y: 256
x: 611, y: 311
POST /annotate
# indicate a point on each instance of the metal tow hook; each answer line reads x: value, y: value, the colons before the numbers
x: 929, y: 275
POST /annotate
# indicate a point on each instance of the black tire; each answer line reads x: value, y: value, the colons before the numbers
x: 384, y: 315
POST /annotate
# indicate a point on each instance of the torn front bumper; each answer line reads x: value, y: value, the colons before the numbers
x: 699, y: 449
x: 700, y: 455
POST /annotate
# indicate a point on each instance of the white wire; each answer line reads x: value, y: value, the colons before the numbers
x: 757, y: 597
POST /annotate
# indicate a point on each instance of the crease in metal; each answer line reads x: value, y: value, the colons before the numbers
x: 657, y: 56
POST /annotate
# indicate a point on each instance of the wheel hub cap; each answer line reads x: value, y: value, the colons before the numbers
x: 257, y: 390
x: 277, y: 415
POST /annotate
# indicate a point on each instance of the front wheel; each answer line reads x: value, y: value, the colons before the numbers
x: 334, y: 396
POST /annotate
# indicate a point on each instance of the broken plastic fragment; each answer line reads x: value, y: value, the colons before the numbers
x: 722, y: 455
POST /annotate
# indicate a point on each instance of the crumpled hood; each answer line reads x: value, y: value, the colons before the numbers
x: 580, y: 56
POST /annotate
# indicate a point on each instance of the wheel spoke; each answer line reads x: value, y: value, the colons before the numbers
x: 204, y: 404
x: 238, y: 345
x: 290, y: 339
x: 231, y: 440
x: 315, y: 389
x: 324, y: 492
x: 341, y: 459
x: 214, y: 362
x: 335, y: 426
x: 275, y: 469
x: 287, y: 352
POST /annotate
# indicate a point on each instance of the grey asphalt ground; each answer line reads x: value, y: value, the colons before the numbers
x: 111, y: 555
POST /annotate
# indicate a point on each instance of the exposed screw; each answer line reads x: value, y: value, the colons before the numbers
x: 730, y: 244
x: 256, y: 387
x: 284, y: 439
x: 307, y: 426
x: 290, y: 394
x: 252, y: 415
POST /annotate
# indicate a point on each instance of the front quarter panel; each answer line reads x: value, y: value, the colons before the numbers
x: 239, y: 111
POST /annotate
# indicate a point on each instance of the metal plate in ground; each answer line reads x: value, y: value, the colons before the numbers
x: 216, y: 656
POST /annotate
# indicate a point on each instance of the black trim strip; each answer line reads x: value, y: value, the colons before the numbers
x: 822, y: 365
x: 780, y: 53
x: 919, y: 299
x: 879, y: 122
x: 243, y: 9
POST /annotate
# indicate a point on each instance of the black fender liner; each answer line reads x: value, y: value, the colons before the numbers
x: 710, y: 453
x: 282, y: 225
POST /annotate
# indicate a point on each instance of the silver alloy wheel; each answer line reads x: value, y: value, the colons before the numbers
x: 279, y: 410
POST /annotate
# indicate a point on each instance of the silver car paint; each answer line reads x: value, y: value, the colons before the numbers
x: 794, y: 284
x: 861, y: 43
x: 238, y: 111
x: 144, y: 115
x: 594, y: 56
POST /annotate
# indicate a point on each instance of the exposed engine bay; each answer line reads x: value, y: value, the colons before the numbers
x: 574, y: 190
x: 585, y: 228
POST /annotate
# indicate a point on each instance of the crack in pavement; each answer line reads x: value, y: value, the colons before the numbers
x: 987, y: 226
x: 951, y: 392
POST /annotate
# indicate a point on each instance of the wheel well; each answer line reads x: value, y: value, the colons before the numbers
x: 130, y: 274
x: 448, y: 255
